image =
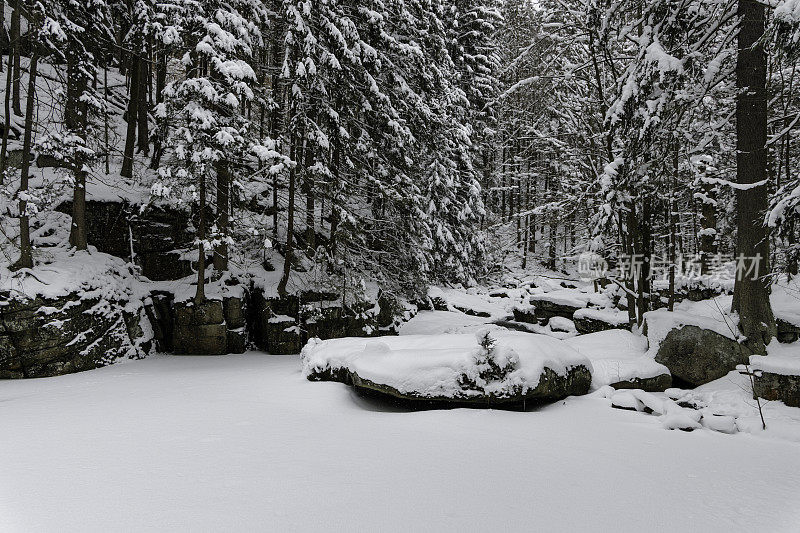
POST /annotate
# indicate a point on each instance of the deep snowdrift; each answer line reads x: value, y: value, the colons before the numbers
x: 243, y: 443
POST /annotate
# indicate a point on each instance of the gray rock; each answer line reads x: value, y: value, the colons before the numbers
x: 778, y: 387
x: 586, y: 325
x: 545, y: 309
x: 787, y: 332
x: 78, y: 335
x: 659, y: 383
x: 696, y: 356
x: 552, y: 387
x: 526, y: 315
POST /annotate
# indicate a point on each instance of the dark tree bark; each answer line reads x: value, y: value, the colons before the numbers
x: 708, y: 222
x: 751, y: 292
x: 309, y: 184
x: 143, y: 137
x: 7, y: 120
x: 223, y: 207
x: 25, y: 249
x: 14, y: 51
x: 200, y: 293
x: 133, y: 108
x: 2, y: 31
x: 289, y: 252
x: 75, y: 120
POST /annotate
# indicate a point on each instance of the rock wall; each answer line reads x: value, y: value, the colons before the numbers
x: 781, y: 387
x: 47, y: 337
x: 284, y: 325
x: 215, y: 327
x: 156, y: 235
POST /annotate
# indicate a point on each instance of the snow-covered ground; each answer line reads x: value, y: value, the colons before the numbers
x: 246, y: 443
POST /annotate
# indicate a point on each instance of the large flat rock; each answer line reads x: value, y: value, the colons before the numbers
x: 453, y: 369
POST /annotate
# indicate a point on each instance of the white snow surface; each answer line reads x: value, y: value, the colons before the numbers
x: 433, y: 365
x: 243, y: 443
x: 616, y: 355
x: 786, y: 365
x: 609, y: 316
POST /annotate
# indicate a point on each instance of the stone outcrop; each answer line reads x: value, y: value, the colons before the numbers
x: 52, y: 336
x: 284, y: 325
x: 156, y: 235
x: 658, y: 383
x: 785, y: 388
x: 594, y: 323
x: 551, y: 387
x: 546, y: 308
x: 215, y: 327
x: 787, y: 331
x: 696, y: 356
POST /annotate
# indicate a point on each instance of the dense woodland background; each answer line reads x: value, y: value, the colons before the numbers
x: 420, y: 141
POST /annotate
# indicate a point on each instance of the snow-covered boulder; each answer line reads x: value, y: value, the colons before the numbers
x: 590, y: 320
x: 696, y: 349
x: 777, y: 377
x: 487, y: 369
x: 562, y: 302
x: 619, y: 358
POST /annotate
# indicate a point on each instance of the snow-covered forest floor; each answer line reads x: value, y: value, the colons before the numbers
x: 244, y: 442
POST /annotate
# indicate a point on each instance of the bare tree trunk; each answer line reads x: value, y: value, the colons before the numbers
x: 133, y: 108
x: 142, y: 136
x: 25, y: 249
x: 7, y: 121
x: 3, y: 33
x: 105, y: 120
x: 309, y: 183
x: 751, y: 292
x: 223, y: 207
x: 288, y: 253
x: 672, y: 228
x: 200, y: 292
x: 75, y: 120
x: 708, y: 226
x: 15, y: 45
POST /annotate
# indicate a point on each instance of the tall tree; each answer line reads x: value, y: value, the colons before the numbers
x: 751, y: 293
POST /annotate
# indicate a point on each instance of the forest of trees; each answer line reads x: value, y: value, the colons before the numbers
x: 427, y: 140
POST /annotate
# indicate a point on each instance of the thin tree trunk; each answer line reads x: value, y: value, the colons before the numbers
x: 223, y: 207
x: 25, y: 249
x: 105, y: 120
x: 133, y: 107
x: 141, y: 116
x: 672, y: 227
x: 7, y: 121
x: 15, y: 45
x: 200, y: 293
x: 288, y: 253
x: 708, y: 227
x: 75, y: 120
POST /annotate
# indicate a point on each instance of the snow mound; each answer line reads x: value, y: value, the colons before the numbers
x: 609, y: 316
x: 616, y: 355
x: 492, y: 364
x: 785, y: 365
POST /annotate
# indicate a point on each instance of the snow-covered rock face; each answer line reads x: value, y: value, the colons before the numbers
x: 51, y: 336
x: 464, y: 368
x: 77, y: 312
x: 697, y: 349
